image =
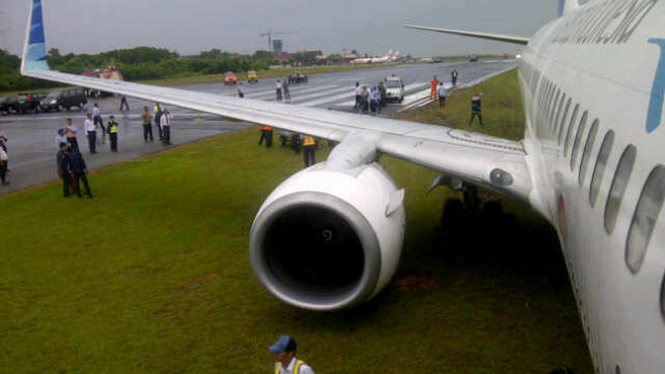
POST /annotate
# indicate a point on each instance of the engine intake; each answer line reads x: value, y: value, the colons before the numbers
x: 327, y: 240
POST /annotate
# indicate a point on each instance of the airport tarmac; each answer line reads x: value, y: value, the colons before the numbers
x: 32, y: 148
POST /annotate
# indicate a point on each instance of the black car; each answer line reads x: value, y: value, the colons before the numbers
x: 66, y: 99
x: 29, y: 102
x: 7, y: 104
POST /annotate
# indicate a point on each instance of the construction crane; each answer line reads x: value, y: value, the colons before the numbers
x: 270, y: 34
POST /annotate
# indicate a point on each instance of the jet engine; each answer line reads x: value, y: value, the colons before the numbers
x: 329, y: 239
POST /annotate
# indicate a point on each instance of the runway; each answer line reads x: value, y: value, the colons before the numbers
x: 32, y: 148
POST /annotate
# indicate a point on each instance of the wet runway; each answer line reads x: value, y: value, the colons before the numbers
x: 32, y: 148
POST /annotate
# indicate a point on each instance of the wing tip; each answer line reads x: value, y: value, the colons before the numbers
x: 34, y: 48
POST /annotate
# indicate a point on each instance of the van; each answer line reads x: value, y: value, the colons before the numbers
x: 65, y: 99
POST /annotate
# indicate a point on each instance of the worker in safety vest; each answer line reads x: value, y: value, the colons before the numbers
x: 434, y: 86
x: 284, y: 353
x: 266, y: 133
x: 70, y: 133
x: 309, y: 148
x: 112, y: 127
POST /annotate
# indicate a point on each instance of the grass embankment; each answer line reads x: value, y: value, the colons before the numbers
x: 501, y: 108
x: 152, y: 276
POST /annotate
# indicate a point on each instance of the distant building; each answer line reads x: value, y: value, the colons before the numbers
x: 277, y: 46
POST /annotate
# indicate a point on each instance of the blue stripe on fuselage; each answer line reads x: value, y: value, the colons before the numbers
x: 657, y: 90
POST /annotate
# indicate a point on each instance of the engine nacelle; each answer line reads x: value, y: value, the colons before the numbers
x: 327, y: 239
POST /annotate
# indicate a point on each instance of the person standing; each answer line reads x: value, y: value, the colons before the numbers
x: 158, y: 114
x: 4, y: 159
x: 97, y: 119
x: 91, y: 131
x: 434, y: 85
x: 3, y: 144
x: 453, y: 75
x: 63, y: 168
x: 284, y: 354
x: 278, y: 90
x: 147, y: 124
x: 382, y: 92
x: 79, y: 170
x: 241, y: 90
x: 309, y: 148
x: 61, y: 138
x: 285, y: 89
x: 112, y: 127
x: 442, y: 95
x: 70, y: 133
x: 374, y: 97
x: 358, y: 97
x: 475, y: 108
x: 123, y: 102
x: 364, y: 98
x: 165, y: 123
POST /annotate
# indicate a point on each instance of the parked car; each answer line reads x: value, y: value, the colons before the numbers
x: 252, y: 76
x: 7, y: 104
x: 230, y: 78
x: 29, y: 102
x: 394, y: 89
x: 66, y: 99
x: 297, y: 78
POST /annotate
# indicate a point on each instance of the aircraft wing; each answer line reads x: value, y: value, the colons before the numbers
x: 473, y: 34
x: 493, y: 162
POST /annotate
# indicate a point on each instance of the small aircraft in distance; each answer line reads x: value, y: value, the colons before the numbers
x: 389, y: 57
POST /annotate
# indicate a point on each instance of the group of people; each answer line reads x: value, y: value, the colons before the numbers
x: 72, y: 170
x: 282, y: 91
x: 307, y: 143
x: 163, y: 119
x: 370, y: 100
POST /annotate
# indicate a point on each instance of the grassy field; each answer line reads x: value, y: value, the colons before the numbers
x: 152, y: 276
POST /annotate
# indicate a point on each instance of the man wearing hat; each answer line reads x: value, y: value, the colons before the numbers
x: 284, y: 352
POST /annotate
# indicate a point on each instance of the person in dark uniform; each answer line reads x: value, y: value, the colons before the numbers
x: 112, y: 127
x: 453, y: 77
x: 123, y: 102
x: 266, y: 133
x: 79, y: 170
x: 475, y: 108
x: 63, y: 167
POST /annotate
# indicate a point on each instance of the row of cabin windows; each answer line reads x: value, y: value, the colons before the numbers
x: 554, y: 114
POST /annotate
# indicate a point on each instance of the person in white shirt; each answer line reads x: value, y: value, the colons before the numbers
x: 91, y: 131
x: 359, y: 90
x: 241, y: 90
x: 97, y: 119
x: 165, y: 123
x: 3, y: 165
x: 442, y: 95
x: 284, y: 354
x: 278, y: 90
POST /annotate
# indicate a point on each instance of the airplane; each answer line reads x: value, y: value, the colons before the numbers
x: 389, y: 57
x: 591, y: 162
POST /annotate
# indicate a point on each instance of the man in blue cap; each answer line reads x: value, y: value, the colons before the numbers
x: 284, y: 351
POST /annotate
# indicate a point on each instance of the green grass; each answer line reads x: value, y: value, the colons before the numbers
x: 153, y: 276
x: 501, y: 106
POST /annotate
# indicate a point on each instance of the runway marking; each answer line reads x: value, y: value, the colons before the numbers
x: 270, y: 93
x: 306, y: 100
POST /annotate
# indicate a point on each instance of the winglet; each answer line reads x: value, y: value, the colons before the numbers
x: 34, y: 49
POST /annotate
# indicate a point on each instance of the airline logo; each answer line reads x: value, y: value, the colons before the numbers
x: 655, y: 111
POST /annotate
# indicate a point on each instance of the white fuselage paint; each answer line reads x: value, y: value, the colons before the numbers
x: 600, y: 57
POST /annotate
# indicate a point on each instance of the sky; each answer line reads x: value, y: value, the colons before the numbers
x: 190, y: 26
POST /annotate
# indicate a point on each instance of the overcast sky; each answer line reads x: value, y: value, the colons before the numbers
x: 189, y: 26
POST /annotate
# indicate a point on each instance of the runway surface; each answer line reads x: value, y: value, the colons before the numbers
x: 32, y: 148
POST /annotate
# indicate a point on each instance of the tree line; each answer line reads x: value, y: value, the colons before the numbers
x: 140, y: 63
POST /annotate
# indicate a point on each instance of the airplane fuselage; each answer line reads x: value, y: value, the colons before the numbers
x: 593, y: 84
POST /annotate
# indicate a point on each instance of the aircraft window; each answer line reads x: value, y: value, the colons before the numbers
x: 644, y: 219
x: 569, y: 133
x: 619, y: 184
x: 550, y: 119
x: 558, y: 113
x: 599, y: 169
x: 591, y: 138
x: 563, y: 119
x: 578, y: 140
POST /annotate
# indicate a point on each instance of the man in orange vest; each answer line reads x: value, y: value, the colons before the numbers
x: 434, y: 86
x: 309, y: 148
x: 266, y: 133
x: 284, y: 354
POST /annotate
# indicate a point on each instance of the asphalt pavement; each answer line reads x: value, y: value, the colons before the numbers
x: 32, y: 148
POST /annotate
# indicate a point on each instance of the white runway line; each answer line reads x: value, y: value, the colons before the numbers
x: 302, y: 100
x: 270, y: 93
